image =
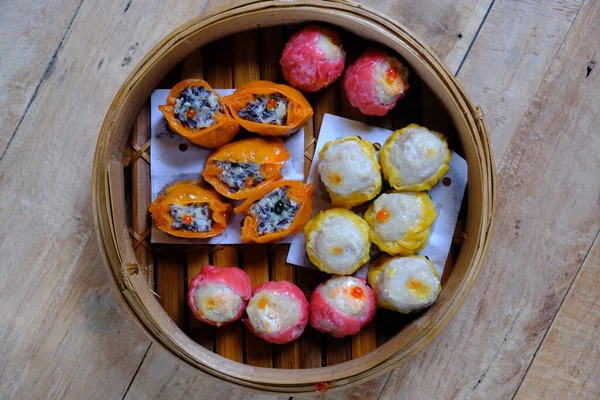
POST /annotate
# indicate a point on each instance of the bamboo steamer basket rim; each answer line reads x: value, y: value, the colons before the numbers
x: 109, y: 195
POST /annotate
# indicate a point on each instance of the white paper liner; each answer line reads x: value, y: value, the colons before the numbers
x: 169, y: 164
x: 447, y: 199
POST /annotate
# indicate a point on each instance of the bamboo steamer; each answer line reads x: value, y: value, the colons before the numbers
x: 141, y: 271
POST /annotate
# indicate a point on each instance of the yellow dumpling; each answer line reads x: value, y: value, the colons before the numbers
x: 350, y: 171
x: 400, y: 221
x: 414, y: 158
x: 337, y: 241
x: 404, y: 284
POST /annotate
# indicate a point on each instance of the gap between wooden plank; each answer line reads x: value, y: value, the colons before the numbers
x: 474, y: 38
x: 44, y: 76
x: 587, y: 253
x: 137, y: 370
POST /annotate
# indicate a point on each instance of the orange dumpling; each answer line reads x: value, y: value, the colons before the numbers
x: 239, y: 169
x: 268, y: 108
x: 275, y: 211
x: 188, y: 210
x: 195, y: 111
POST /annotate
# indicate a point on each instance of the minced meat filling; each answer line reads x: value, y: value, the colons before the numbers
x: 196, y: 106
x: 275, y: 212
x: 239, y: 175
x: 266, y: 109
x: 192, y: 217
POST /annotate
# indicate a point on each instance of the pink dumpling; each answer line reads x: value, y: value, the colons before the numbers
x: 342, y: 305
x: 277, y: 312
x: 375, y: 82
x: 218, y: 296
x: 313, y: 58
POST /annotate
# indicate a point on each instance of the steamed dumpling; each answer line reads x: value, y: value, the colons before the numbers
x: 404, y: 284
x: 342, y: 306
x: 414, y: 158
x: 337, y: 241
x: 350, y: 171
x: 400, y: 221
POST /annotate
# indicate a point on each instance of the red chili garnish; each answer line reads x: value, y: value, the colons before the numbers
x: 382, y: 215
x: 322, y: 387
x: 271, y: 103
x: 191, y: 113
x: 390, y: 75
x: 357, y: 292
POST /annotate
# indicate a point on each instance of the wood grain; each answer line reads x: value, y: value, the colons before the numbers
x: 31, y: 35
x: 567, y: 364
x: 540, y: 241
x: 502, y: 72
x: 199, y: 331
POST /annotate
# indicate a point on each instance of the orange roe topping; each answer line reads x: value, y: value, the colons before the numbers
x: 338, y: 250
x: 211, y: 302
x: 414, y: 285
x: 191, y: 113
x: 271, y: 103
x: 187, y: 219
x: 322, y: 387
x: 382, y: 215
x: 335, y: 178
x: 249, y: 181
x: 357, y: 292
x: 390, y: 75
x: 262, y: 303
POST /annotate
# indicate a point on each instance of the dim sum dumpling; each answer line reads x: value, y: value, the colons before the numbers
x: 337, y: 241
x: 404, y: 284
x: 414, y: 158
x: 400, y: 221
x: 350, y: 171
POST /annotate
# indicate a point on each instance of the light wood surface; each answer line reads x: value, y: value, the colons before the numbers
x: 529, y: 327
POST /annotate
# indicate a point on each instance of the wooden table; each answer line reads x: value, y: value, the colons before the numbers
x: 529, y: 329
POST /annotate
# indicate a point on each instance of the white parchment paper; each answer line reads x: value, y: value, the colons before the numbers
x: 447, y: 199
x: 174, y: 158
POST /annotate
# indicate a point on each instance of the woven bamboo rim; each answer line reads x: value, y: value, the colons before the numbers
x: 109, y: 202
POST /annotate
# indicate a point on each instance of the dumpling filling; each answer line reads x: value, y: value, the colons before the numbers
x: 272, y: 312
x: 388, y: 77
x: 217, y: 302
x: 239, y: 175
x: 340, y: 245
x: 193, y: 217
x: 196, y: 106
x: 275, y: 212
x: 271, y: 109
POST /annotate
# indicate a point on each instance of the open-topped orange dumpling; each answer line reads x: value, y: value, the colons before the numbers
x: 400, y: 222
x: 186, y: 209
x: 268, y: 108
x: 275, y: 211
x: 239, y: 169
x: 196, y: 112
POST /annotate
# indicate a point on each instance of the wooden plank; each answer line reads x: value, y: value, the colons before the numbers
x: 255, y: 261
x: 140, y: 193
x: 170, y: 285
x: 31, y: 35
x: 272, y: 42
x: 288, y: 355
x: 199, y: 331
x: 56, y: 166
x: 92, y: 331
x: 162, y: 376
x: 540, y: 239
x: 219, y: 72
x: 567, y: 364
x: 509, y: 59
